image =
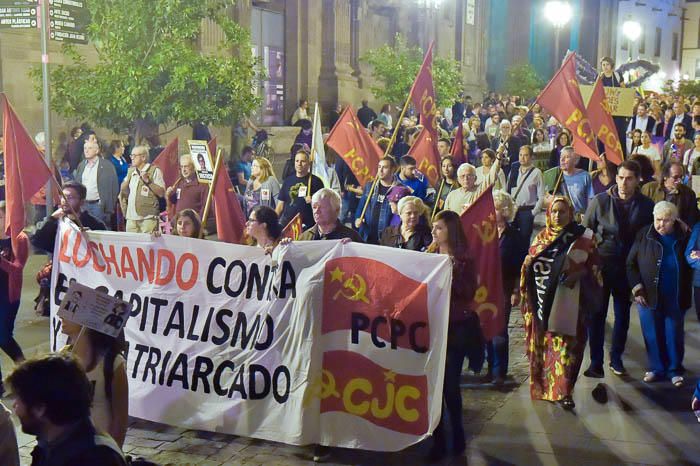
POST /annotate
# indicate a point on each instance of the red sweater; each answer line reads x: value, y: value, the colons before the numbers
x: 13, y: 268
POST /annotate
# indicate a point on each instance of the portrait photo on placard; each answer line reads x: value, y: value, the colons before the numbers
x: 201, y: 159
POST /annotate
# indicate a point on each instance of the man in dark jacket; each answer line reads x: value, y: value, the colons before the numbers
x: 672, y: 189
x: 615, y: 216
x: 365, y: 114
x: 58, y: 414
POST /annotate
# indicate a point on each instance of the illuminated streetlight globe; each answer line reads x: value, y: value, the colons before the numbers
x: 632, y: 30
x: 558, y: 13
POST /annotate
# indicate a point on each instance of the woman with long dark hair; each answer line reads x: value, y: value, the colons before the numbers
x: 563, y: 140
x: 263, y: 228
x: 463, y: 330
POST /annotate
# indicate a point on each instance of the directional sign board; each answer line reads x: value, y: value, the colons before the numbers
x: 18, y: 14
x: 68, y: 21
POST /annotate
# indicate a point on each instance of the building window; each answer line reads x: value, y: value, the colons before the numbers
x: 657, y: 43
x: 674, y: 52
x: 697, y: 68
x: 267, y: 37
x: 699, y: 33
x: 642, y: 42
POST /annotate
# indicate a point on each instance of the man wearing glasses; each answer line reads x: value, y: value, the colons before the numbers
x: 141, y: 192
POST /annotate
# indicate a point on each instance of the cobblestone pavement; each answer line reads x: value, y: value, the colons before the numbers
x: 169, y: 445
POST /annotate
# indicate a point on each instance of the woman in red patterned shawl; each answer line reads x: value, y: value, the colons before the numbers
x: 562, y: 262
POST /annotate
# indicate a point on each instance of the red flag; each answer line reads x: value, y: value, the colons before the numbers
x: 603, y: 124
x: 212, y: 148
x: 423, y: 97
x: 293, y: 228
x: 562, y: 98
x: 479, y: 223
x: 352, y: 142
x: 26, y: 171
x: 427, y: 159
x: 230, y: 221
x: 457, y: 151
x: 169, y: 163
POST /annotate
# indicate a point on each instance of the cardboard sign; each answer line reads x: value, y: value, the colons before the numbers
x: 620, y: 99
x: 201, y: 159
x: 94, y: 309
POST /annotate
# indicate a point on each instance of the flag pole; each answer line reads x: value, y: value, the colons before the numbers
x: 437, y: 198
x: 210, y: 194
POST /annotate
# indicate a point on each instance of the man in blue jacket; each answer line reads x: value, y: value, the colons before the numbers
x: 378, y: 213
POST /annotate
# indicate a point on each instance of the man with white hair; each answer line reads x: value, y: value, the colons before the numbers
x: 100, y: 179
x: 460, y: 199
x: 512, y: 143
x: 187, y: 192
x: 325, y: 204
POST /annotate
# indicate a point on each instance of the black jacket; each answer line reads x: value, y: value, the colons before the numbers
x: 687, y: 123
x: 45, y: 236
x: 614, y: 239
x: 644, y: 263
x: 81, y: 446
x: 419, y: 240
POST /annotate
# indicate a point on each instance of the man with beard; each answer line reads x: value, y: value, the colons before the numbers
x: 58, y: 414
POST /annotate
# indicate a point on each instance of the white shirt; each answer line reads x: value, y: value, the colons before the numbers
x: 101, y: 409
x: 678, y: 120
x: 639, y: 123
x: 689, y: 158
x: 652, y: 152
x: 90, y: 179
x: 156, y: 178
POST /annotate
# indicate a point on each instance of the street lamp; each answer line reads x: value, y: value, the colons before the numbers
x: 631, y: 30
x: 559, y: 14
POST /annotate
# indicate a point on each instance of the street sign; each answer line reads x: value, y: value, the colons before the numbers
x: 68, y: 20
x: 18, y: 14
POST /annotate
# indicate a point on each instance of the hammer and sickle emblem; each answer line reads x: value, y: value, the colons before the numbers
x: 487, y: 231
x: 357, y: 287
x: 322, y: 389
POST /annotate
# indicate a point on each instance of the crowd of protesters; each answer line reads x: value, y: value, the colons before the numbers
x: 565, y: 224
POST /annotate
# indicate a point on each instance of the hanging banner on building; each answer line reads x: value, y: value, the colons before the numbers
x: 341, y: 345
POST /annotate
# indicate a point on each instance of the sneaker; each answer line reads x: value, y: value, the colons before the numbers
x: 677, y: 381
x: 594, y: 372
x: 567, y: 403
x: 650, y: 377
x: 618, y: 369
x: 321, y: 453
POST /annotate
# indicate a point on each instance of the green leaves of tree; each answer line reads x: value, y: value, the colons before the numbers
x: 395, y: 68
x: 522, y: 80
x: 150, y: 66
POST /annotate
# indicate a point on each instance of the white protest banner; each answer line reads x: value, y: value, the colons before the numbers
x: 341, y: 345
x: 93, y: 309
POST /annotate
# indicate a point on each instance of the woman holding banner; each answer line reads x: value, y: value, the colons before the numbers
x: 188, y: 224
x: 263, y: 228
x: 561, y: 263
x: 102, y: 357
x: 463, y: 329
x: 413, y: 232
x: 13, y: 256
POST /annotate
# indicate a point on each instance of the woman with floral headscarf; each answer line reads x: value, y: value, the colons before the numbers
x: 561, y: 263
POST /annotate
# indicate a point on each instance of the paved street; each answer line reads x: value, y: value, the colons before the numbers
x: 639, y: 424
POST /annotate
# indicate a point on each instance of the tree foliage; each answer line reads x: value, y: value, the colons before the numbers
x: 395, y: 68
x: 150, y: 67
x: 684, y: 88
x: 522, y: 80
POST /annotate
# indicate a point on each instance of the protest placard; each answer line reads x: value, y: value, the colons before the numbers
x: 94, y: 309
x: 202, y: 161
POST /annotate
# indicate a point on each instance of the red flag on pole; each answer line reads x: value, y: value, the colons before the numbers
x: 354, y: 144
x: 479, y: 224
x: 169, y: 163
x: 423, y: 98
x: 26, y: 171
x: 212, y: 148
x: 603, y: 124
x: 230, y: 221
x: 457, y: 151
x: 293, y: 228
x: 427, y: 160
x: 562, y: 98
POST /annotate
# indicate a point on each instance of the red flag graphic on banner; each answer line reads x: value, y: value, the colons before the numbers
x: 26, y: 171
x: 423, y: 98
x: 293, y: 228
x: 603, y: 124
x: 479, y: 223
x: 352, y: 383
x: 354, y: 144
x: 365, y: 295
x: 562, y: 98
x: 169, y: 163
x: 427, y: 159
x: 230, y: 221
x: 458, y: 149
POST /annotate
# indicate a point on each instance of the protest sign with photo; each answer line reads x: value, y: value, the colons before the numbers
x: 340, y: 345
x: 202, y: 160
x: 94, y: 309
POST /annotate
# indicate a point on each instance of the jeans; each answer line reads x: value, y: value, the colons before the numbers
x: 663, y: 338
x: 95, y: 209
x: 525, y: 221
x: 615, y: 284
x: 696, y: 296
x: 8, y: 314
x: 458, y: 344
x: 347, y: 209
x: 497, y: 349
